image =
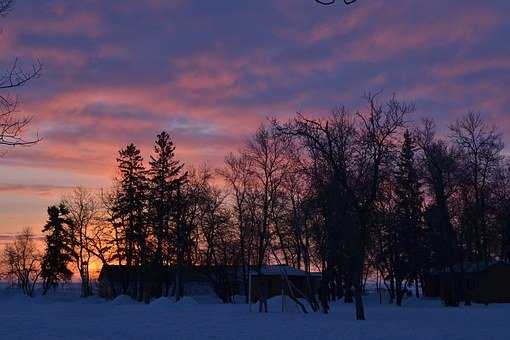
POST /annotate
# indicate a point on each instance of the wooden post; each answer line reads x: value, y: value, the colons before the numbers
x: 249, y: 290
x: 283, y: 298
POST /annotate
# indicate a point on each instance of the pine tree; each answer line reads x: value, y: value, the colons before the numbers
x: 166, y: 180
x: 408, y: 228
x: 130, y: 210
x: 58, y: 254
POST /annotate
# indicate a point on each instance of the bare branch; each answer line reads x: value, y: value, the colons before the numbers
x: 17, y: 76
x: 331, y: 2
x: 13, y: 127
x: 6, y: 7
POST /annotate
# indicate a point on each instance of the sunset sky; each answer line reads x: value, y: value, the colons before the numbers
x: 210, y: 71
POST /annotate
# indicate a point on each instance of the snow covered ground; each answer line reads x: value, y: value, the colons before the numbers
x: 66, y: 316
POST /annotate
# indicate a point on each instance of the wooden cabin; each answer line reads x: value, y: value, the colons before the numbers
x: 278, y: 280
x: 223, y: 281
x: 117, y: 280
x: 431, y: 285
x: 477, y: 282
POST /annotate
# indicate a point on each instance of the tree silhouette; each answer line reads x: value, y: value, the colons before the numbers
x: 21, y: 260
x: 166, y: 180
x: 331, y: 2
x: 407, y: 229
x: 12, y: 127
x: 58, y: 252
x: 130, y: 212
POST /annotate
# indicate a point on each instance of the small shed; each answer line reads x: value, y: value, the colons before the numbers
x: 115, y: 280
x: 156, y: 281
x: 274, y: 280
x: 223, y: 281
x: 475, y: 281
x: 489, y: 284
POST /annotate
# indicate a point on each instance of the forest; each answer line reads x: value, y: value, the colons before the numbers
x: 356, y: 195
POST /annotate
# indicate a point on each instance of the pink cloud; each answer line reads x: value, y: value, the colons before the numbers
x: 461, y: 67
x: 38, y: 190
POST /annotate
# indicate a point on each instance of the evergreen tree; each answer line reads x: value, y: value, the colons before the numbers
x: 166, y: 180
x: 57, y: 255
x: 129, y: 210
x: 408, y: 228
x: 440, y: 164
x: 130, y: 202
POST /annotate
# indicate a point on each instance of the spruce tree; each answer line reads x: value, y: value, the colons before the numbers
x: 58, y: 253
x: 130, y: 211
x: 408, y: 209
x: 130, y: 202
x: 166, y: 180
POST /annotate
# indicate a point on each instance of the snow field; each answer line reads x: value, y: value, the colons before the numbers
x: 62, y: 316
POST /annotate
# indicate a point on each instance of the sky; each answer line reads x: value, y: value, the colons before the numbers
x: 210, y: 72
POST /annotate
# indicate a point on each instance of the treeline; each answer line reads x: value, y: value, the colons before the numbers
x: 353, y: 195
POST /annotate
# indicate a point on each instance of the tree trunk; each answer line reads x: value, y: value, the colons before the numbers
x: 399, y: 292
x: 263, y: 297
x: 391, y: 291
x: 323, y: 296
x: 178, y: 282
x: 358, y: 292
x: 85, y: 284
x: 348, y: 290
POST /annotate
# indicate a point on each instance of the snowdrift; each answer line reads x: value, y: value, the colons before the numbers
x: 275, y: 304
x: 123, y: 300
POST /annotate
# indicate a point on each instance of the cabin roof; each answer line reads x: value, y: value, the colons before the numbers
x: 118, y: 272
x: 277, y: 270
x: 471, y: 267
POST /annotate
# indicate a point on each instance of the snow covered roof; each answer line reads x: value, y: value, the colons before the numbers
x: 118, y: 273
x: 277, y: 270
x: 471, y: 267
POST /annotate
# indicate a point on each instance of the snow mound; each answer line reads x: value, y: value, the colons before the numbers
x: 123, y: 300
x: 275, y: 304
x: 94, y: 299
x: 169, y: 302
x: 162, y: 302
x: 186, y: 301
x: 239, y: 299
x: 198, y: 288
x: 207, y: 299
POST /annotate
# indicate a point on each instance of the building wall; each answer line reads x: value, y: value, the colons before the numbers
x: 431, y: 286
x: 492, y: 285
x: 275, y: 284
x: 489, y: 286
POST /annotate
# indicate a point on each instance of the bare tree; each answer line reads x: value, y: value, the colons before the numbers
x: 109, y: 239
x: 501, y: 206
x: 13, y: 127
x: 218, y: 246
x: 331, y: 2
x: 237, y: 175
x: 267, y: 152
x: 84, y: 213
x: 480, y: 148
x: 255, y: 179
x: 5, y: 7
x: 440, y: 164
x: 353, y: 151
x: 22, y: 260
